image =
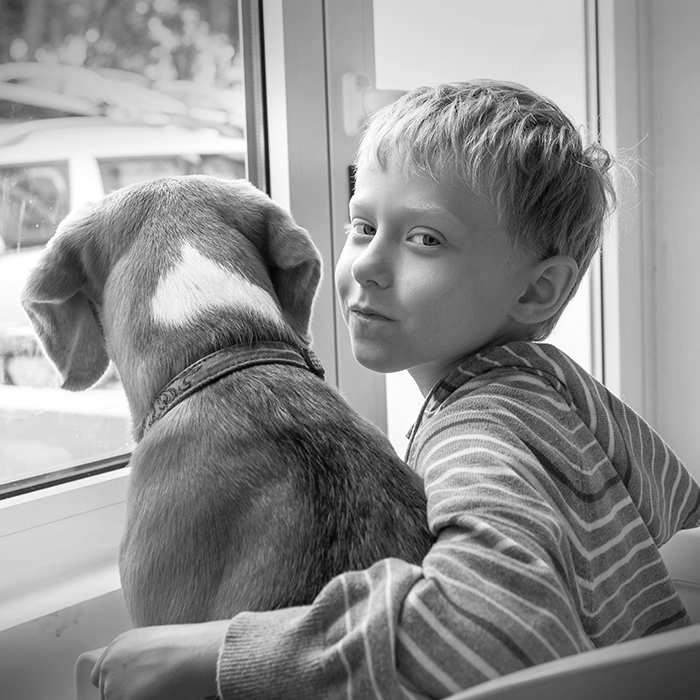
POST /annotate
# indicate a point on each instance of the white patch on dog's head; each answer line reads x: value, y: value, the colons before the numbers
x: 198, y: 283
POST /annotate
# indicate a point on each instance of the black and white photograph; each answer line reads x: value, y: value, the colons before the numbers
x: 348, y: 350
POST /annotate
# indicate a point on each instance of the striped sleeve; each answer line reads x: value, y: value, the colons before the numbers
x: 492, y: 595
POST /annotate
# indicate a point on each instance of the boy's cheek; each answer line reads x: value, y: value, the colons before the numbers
x: 343, y: 276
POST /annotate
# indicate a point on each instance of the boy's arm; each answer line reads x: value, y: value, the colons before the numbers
x: 491, y: 596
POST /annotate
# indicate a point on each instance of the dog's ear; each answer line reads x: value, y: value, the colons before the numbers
x: 64, y: 317
x: 292, y: 260
x: 295, y: 268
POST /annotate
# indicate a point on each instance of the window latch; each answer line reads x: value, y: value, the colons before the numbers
x: 361, y: 100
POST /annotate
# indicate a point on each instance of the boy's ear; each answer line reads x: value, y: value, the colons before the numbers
x: 548, y: 289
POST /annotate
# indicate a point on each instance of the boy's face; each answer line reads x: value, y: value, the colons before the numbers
x: 426, y: 275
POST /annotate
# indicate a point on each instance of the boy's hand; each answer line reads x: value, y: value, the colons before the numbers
x: 170, y: 662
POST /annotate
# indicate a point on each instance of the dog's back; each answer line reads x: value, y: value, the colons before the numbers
x: 267, y: 486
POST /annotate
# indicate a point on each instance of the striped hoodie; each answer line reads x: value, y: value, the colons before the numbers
x: 549, y: 499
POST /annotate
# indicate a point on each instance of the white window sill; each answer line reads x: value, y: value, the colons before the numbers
x: 59, y: 546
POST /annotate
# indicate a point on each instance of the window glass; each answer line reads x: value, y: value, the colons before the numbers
x: 33, y: 199
x: 94, y: 97
x: 120, y: 172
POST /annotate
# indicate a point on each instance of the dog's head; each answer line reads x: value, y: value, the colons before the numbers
x: 162, y: 257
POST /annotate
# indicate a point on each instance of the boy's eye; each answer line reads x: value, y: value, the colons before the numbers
x: 362, y: 228
x: 427, y: 240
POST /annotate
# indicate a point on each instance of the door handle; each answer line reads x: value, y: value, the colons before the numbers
x: 361, y: 99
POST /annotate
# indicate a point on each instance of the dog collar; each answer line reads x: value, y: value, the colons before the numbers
x: 226, y: 361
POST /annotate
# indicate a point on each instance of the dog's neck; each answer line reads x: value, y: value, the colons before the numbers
x: 222, y: 363
x: 148, y: 365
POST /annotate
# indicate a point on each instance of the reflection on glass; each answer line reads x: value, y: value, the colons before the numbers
x: 93, y: 97
x: 33, y: 199
x: 120, y: 172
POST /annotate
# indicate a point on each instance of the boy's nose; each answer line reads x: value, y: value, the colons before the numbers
x: 372, y: 265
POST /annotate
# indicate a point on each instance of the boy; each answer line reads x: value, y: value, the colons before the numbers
x: 475, y: 215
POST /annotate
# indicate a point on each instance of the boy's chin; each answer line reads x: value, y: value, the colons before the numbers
x: 376, y: 361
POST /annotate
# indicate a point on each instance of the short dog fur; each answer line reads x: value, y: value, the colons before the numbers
x: 255, y: 491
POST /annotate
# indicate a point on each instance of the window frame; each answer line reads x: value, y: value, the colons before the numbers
x: 627, y: 265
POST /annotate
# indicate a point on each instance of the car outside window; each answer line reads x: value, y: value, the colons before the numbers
x: 120, y: 172
x: 33, y: 199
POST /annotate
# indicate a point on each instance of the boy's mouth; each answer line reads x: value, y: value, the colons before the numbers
x: 368, y: 312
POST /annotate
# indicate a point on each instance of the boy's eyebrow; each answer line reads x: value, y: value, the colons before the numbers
x: 427, y: 209
x: 354, y: 201
x: 470, y: 221
x: 359, y: 206
x: 417, y: 209
x: 433, y: 210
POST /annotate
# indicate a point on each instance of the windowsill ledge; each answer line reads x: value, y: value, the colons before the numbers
x: 43, y: 601
x: 59, y: 546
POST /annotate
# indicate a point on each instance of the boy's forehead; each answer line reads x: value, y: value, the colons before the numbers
x: 400, y: 186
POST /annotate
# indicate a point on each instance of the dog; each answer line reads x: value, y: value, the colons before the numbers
x: 252, y: 482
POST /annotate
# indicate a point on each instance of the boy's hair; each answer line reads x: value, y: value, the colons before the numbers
x: 513, y: 147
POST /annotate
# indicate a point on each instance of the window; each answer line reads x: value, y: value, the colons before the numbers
x: 33, y: 199
x: 92, y: 100
x: 120, y: 172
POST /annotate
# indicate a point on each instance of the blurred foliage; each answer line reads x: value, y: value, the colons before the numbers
x: 162, y: 40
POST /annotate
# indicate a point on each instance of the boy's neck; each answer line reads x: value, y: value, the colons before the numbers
x: 427, y: 375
